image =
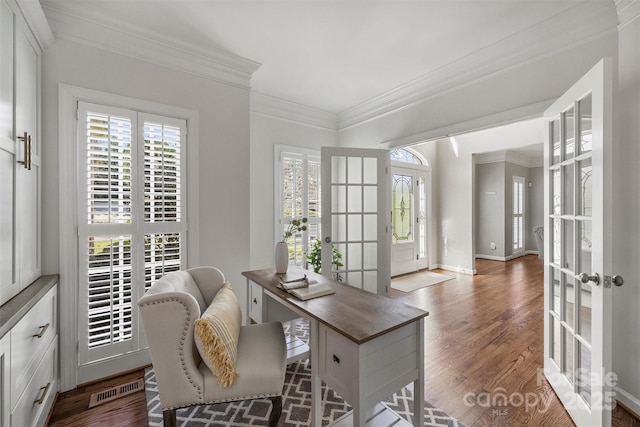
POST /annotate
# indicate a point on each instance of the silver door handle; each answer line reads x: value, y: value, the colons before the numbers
x: 585, y: 278
x: 617, y: 280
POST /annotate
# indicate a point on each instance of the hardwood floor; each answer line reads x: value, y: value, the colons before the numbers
x: 483, y: 336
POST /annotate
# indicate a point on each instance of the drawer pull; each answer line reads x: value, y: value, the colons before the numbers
x: 336, y: 359
x: 43, y: 329
x: 44, y: 391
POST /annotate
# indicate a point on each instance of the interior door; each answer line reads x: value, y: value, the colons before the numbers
x: 577, y: 327
x: 356, y: 217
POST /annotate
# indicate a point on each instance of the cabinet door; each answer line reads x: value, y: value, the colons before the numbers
x: 5, y: 398
x: 8, y: 277
x: 27, y: 180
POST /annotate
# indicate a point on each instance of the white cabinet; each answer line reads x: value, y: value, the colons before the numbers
x: 34, y: 359
x: 29, y: 355
x: 5, y: 380
x: 19, y: 152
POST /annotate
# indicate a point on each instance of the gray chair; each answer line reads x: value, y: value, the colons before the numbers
x: 169, y: 310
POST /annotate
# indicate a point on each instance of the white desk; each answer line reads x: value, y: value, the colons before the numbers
x: 364, y: 346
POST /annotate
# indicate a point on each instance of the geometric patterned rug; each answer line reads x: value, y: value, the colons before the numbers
x: 296, y: 404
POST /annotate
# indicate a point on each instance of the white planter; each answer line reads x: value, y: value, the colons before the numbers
x: 282, y: 257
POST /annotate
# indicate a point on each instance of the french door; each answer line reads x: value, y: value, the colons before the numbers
x: 577, y: 325
x: 356, y: 216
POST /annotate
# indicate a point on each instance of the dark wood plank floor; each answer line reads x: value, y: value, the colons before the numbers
x: 483, y: 335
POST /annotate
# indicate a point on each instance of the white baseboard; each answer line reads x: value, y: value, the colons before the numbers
x: 491, y: 257
x: 508, y: 258
x: 455, y: 269
x: 631, y: 402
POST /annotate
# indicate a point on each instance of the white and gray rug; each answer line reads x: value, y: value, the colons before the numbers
x: 296, y: 406
x: 422, y: 279
x: 296, y: 403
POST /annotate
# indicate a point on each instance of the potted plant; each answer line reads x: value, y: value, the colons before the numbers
x: 315, y: 258
x: 282, y: 248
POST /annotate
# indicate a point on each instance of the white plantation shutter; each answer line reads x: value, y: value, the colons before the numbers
x: 131, y: 231
x: 300, y: 195
x: 518, y: 214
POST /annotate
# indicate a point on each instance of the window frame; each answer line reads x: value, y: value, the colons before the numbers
x: 280, y: 221
x: 71, y: 374
x: 518, y: 212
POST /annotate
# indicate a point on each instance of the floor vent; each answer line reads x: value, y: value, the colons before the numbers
x: 115, y: 392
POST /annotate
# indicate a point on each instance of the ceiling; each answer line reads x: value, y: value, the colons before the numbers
x: 328, y: 54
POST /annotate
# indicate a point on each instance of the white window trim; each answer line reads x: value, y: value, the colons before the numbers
x: 277, y: 151
x: 68, y: 97
x: 519, y: 250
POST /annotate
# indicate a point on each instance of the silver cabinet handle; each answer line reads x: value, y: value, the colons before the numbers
x: 43, y: 329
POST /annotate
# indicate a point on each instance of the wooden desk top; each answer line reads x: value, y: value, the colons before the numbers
x: 358, y: 315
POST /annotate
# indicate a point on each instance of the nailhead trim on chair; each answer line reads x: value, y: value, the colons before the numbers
x: 181, y: 350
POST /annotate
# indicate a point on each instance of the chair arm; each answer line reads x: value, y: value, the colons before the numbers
x: 168, y: 319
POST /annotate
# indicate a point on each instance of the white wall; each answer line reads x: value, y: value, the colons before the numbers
x: 626, y: 220
x: 265, y: 133
x: 224, y: 146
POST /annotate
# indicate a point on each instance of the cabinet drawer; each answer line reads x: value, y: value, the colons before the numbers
x: 339, y: 363
x: 29, y: 340
x: 35, y: 402
x: 255, y: 302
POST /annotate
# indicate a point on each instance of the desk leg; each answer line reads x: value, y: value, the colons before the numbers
x: 316, y: 382
x: 418, y: 385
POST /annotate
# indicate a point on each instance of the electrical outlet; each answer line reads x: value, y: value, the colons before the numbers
x: 492, y: 245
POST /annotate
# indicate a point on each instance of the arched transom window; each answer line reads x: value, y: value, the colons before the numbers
x: 405, y: 156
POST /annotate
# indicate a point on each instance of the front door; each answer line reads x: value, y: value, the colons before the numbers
x: 408, y: 220
x: 356, y: 217
x: 577, y: 326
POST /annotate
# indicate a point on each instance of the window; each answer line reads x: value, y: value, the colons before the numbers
x: 405, y: 156
x: 518, y: 214
x: 131, y: 220
x: 402, y: 208
x: 299, y: 196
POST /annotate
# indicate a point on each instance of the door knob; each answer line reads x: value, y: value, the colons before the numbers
x: 585, y: 278
x: 327, y: 239
x: 617, y: 280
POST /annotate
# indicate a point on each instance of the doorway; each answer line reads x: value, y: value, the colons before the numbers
x: 410, y: 191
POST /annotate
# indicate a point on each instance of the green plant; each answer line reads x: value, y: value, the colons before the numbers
x: 315, y: 257
x: 295, y: 226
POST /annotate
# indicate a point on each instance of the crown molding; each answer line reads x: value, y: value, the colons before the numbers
x: 211, y: 64
x: 508, y: 156
x: 628, y: 11
x: 519, y: 114
x: 271, y: 106
x: 37, y: 22
x: 574, y: 26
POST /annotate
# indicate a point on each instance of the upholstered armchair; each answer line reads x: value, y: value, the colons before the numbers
x: 169, y: 311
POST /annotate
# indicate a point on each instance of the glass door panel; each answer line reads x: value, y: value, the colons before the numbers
x: 357, y: 189
x: 577, y: 304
